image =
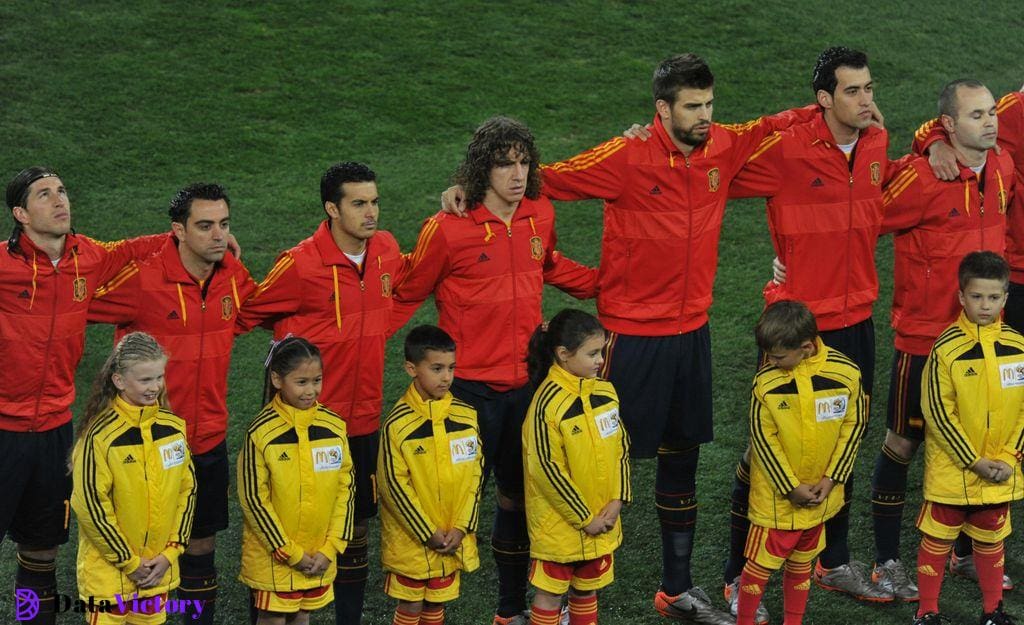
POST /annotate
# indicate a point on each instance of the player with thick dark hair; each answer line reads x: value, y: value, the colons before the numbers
x: 335, y: 288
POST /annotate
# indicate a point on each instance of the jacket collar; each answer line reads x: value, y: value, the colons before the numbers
x: 982, y: 334
x: 135, y: 415
x: 329, y: 251
x: 433, y: 409
x: 481, y: 214
x: 572, y: 383
x: 293, y: 415
x: 823, y: 134
x: 29, y: 248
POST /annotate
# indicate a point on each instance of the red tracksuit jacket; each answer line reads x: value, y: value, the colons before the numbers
x: 662, y: 216
x: 316, y: 292
x: 42, y: 323
x: 936, y: 224
x: 824, y: 215
x: 195, y: 324
x: 1010, y: 110
x: 487, y: 280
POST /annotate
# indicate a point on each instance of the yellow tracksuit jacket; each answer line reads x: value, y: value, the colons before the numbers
x: 429, y: 474
x: 134, y: 497
x: 972, y: 398
x: 805, y: 424
x: 296, y: 492
x: 576, y: 456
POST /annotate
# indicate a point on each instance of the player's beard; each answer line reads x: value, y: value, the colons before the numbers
x: 689, y: 137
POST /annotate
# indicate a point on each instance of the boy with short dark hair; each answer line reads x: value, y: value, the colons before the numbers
x: 431, y: 472
x: 807, y: 417
x: 972, y: 394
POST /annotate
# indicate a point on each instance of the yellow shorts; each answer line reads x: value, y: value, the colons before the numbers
x: 987, y: 524
x: 291, y: 602
x: 115, y: 617
x: 557, y: 577
x: 434, y: 590
x: 770, y: 548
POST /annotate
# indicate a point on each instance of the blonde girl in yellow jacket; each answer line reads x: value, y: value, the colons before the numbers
x: 134, y: 490
x: 295, y: 490
x: 576, y: 457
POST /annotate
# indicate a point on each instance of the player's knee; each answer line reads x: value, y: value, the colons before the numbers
x: 38, y: 552
x: 900, y: 446
x: 510, y: 501
x: 201, y: 546
x: 546, y: 600
x: 360, y: 528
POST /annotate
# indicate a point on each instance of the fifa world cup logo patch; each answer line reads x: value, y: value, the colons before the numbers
x: 385, y: 285
x: 78, y: 290
x: 876, y: 173
x: 714, y: 180
x: 536, y: 248
x: 227, y: 307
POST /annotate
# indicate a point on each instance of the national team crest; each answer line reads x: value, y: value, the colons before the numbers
x: 714, y: 179
x: 536, y: 248
x: 876, y: 173
x: 78, y: 290
x: 385, y: 285
x: 227, y: 306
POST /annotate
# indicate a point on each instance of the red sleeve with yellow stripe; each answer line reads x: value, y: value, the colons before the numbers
x: 279, y: 295
x: 118, y: 300
x: 597, y: 173
x: 1009, y: 109
x: 425, y: 267
x: 760, y: 176
x: 120, y: 253
x: 903, y: 202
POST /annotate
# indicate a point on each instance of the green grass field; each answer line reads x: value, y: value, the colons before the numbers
x: 132, y: 101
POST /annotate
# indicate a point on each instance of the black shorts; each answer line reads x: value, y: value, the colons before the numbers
x: 857, y: 342
x: 500, y: 415
x: 904, y: 415
x: 664, y: 387
x: 364, y: 462
x: 35, y: 486
x: 1013, y: 313
x: 212, y: 486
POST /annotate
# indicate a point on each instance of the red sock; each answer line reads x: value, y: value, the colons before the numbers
x: 753, y: 579
x: 405, y: 618
x: 432, y: 614
x: 796, y: 584
x: 583, y: 610
x: 931, y: 566
x: 988, y: 559
x: 540, y: 616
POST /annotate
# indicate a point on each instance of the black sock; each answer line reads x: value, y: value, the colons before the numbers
x: 675, y: 496
x: 837, y: 531
x: 739, y: 524
x: 888, y: 497
x: 198, y: 583
x: 40, y: 577
x: 963, y: 546
x: 510, y: 544
x: 350, y: 584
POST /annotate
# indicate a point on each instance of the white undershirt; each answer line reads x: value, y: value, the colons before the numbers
x: 847, y: 148
x: 357, y: 258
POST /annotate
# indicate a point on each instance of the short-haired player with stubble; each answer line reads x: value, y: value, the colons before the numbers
x: 808, y: 414
x: 487, y: 273
x: 334, y: 288
x: 187, y: 297
x: 935, y: 223
x: 972, y: 397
